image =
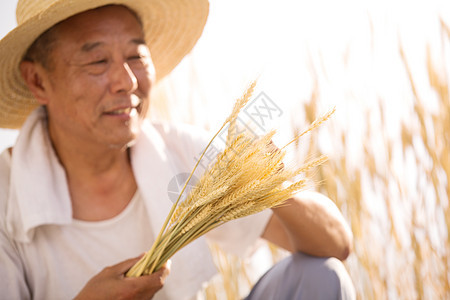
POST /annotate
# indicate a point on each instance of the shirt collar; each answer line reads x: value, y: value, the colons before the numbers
x: 38, y: 188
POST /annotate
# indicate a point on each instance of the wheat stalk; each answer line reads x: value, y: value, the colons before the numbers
x: 246, y: 178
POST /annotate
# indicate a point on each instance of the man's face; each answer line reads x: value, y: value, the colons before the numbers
x: 100, y: 78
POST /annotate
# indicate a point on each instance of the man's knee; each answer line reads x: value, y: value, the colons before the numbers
x: 321, y: 278
x: 301, y: 276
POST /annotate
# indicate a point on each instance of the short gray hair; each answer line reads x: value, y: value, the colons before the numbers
x: 42, y: 47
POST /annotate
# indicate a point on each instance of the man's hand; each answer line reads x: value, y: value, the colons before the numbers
x: 111, y: 283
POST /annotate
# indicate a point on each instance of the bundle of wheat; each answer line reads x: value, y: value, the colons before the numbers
x: 247, y: 177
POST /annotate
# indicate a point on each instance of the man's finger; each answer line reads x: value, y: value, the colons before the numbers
x: 152, y: 282
x: 125, y: 265
x: 165, y: 269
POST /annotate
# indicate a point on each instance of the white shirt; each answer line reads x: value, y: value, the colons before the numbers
x: 45, y: 254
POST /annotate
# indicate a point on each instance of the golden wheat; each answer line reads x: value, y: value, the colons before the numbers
x: 246, y: 178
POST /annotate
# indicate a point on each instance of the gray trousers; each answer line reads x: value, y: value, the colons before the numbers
x: 301, y: 276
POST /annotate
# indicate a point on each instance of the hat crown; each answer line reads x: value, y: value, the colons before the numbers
x: 29, y: 8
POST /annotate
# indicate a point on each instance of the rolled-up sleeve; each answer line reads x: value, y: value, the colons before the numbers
x: 12, y: 279
x: 12, y: 276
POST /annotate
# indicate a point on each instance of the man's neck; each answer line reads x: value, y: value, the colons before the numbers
x: 100, y: 179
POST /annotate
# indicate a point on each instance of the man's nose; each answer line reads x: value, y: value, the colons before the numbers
x: 123, y: 79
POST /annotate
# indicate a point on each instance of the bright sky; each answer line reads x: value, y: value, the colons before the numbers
x: 283, y: 41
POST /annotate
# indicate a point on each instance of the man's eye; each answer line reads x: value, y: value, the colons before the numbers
x: 138, y: 60
x: 135, y: 57
x: 99, y: 62
x: 97, y: 67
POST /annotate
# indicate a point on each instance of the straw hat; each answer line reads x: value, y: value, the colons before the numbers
x: 172, y: 27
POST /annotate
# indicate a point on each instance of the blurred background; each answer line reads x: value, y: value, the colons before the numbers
x: 385, y: 66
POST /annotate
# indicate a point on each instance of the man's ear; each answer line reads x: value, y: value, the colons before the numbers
x: 34, y: 76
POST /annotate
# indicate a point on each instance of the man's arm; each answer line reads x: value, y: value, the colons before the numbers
x: 310, y: 222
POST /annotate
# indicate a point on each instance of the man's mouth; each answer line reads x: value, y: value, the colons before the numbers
x: 121, y: 111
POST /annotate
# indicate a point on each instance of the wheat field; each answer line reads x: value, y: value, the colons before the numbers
x: 388, y: 143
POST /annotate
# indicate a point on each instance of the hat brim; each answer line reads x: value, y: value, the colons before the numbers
x: 171, y: 27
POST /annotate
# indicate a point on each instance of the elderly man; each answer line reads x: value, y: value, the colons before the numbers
x: 82, y: 191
